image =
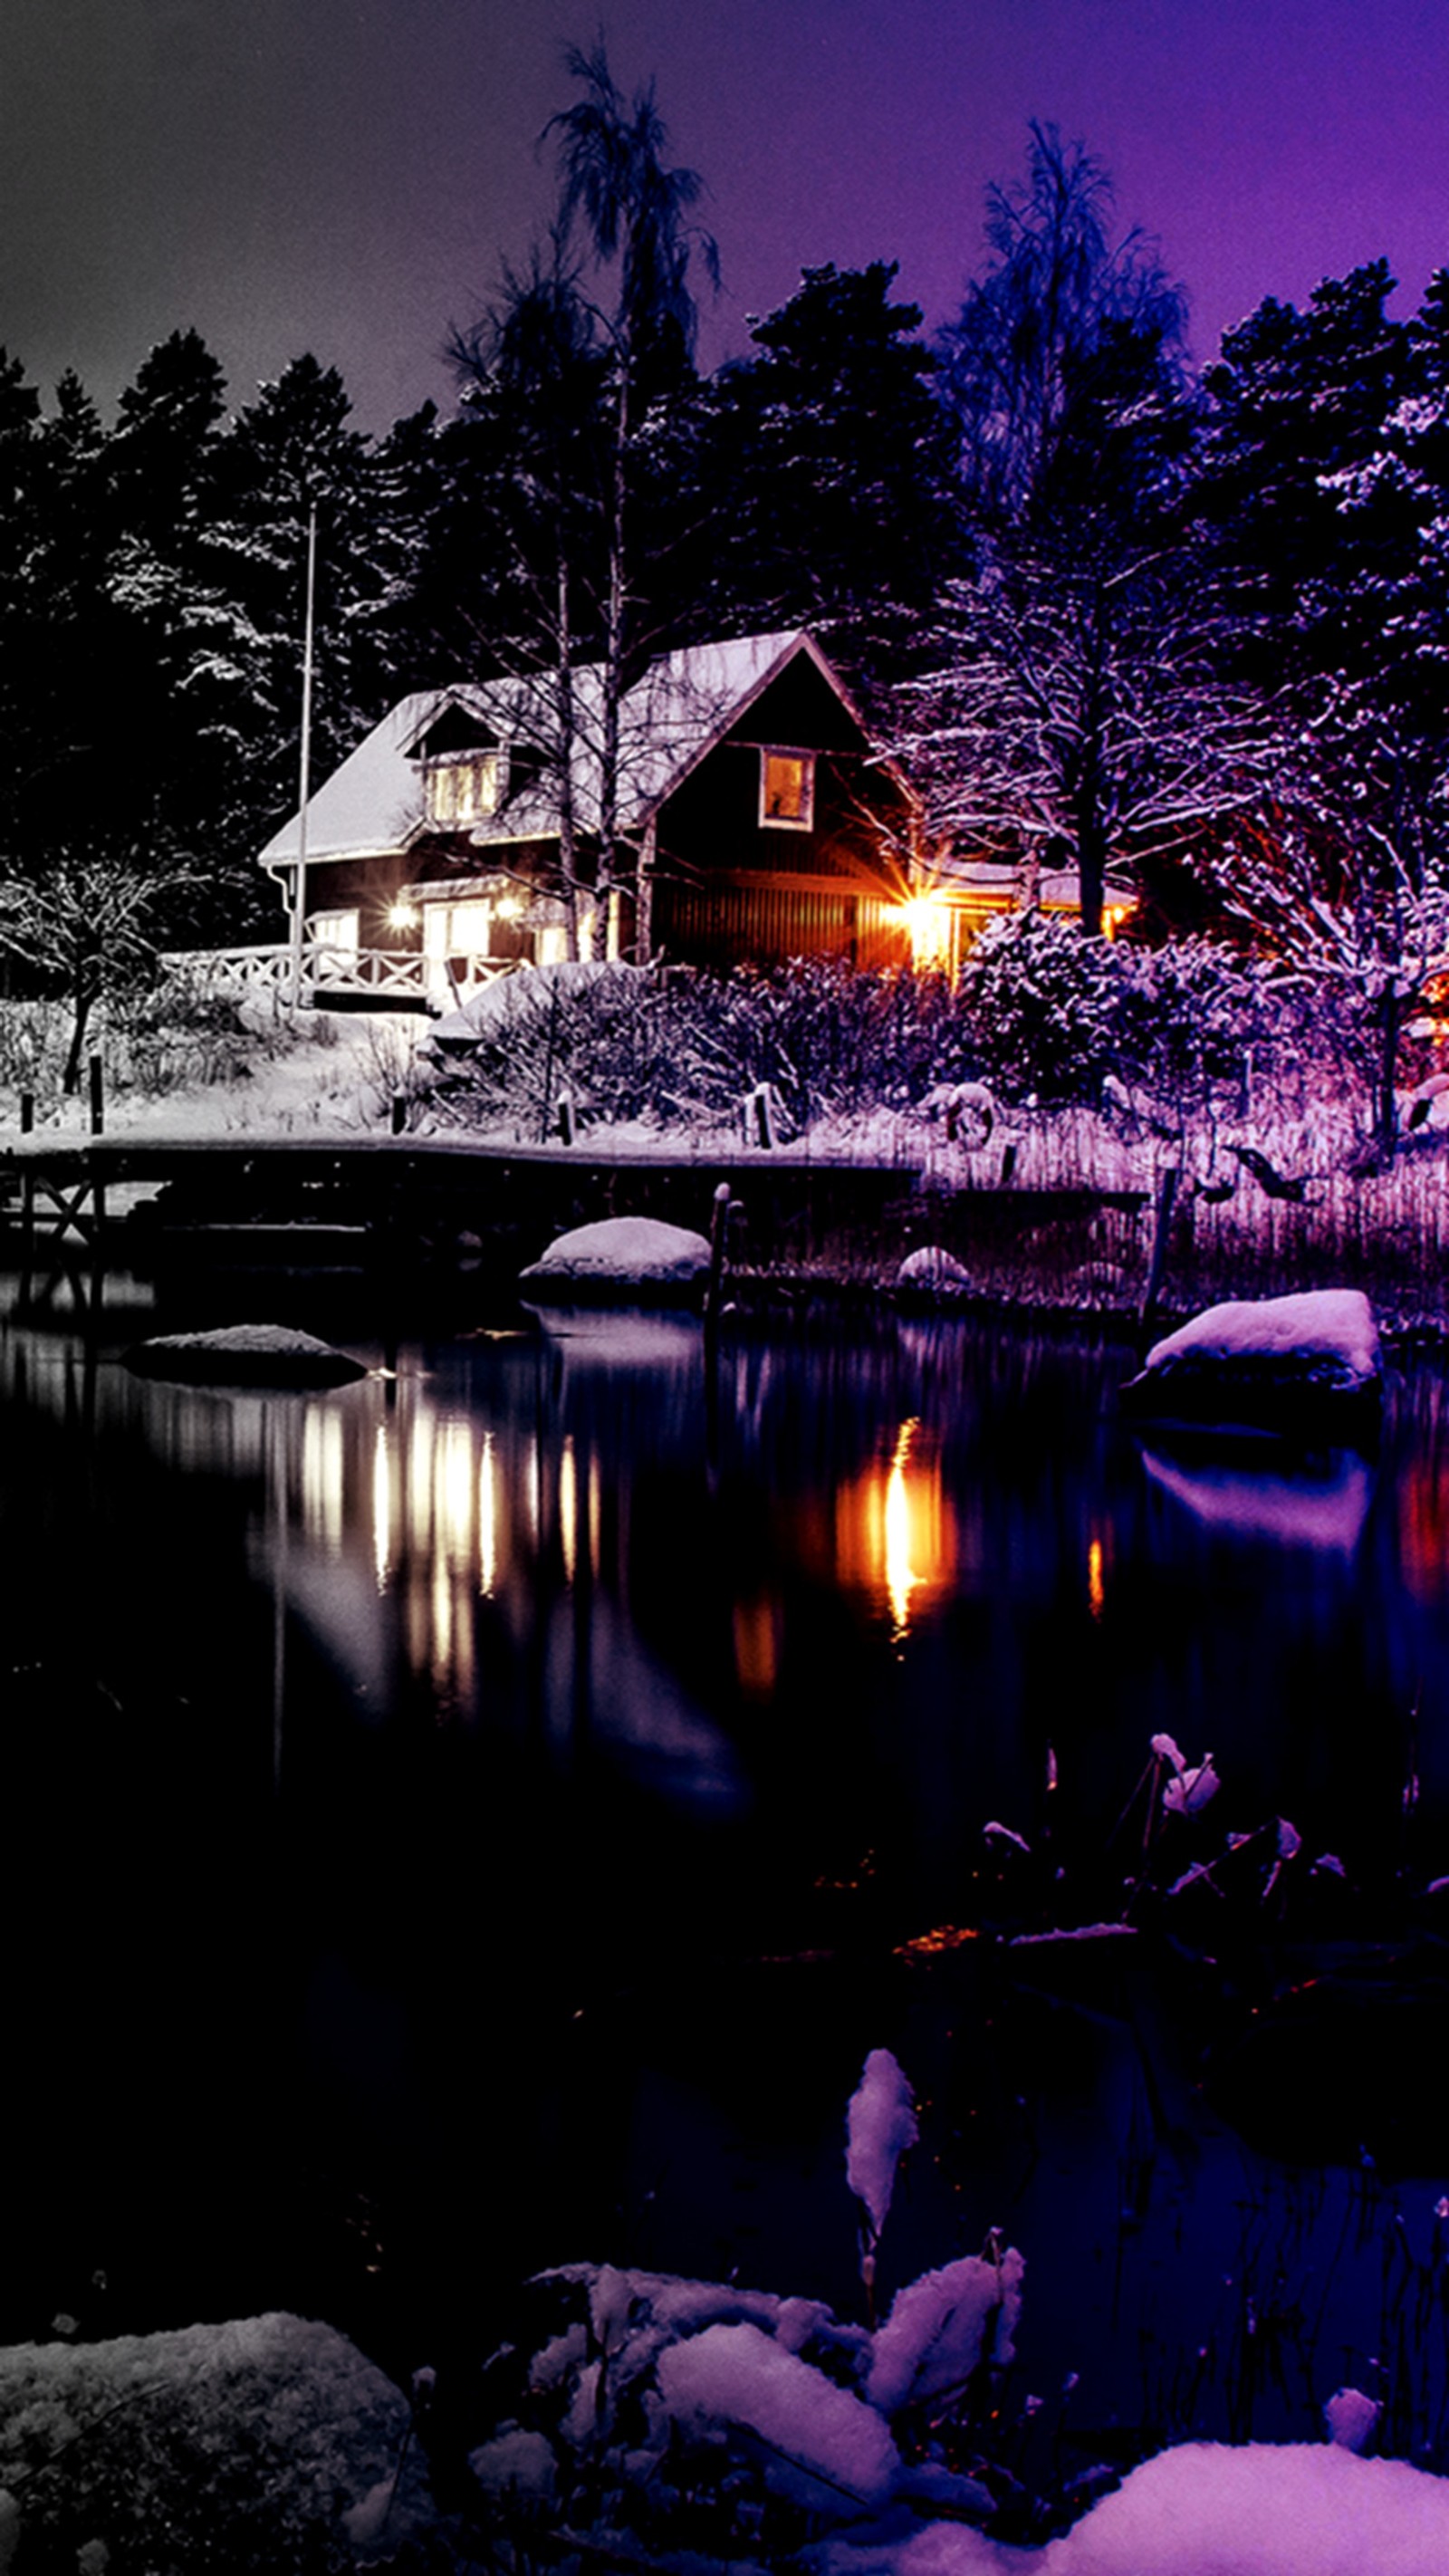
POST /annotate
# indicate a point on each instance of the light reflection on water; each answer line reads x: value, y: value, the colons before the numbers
x: 620, y: 1731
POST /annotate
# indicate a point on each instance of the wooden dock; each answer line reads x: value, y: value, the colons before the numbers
x: 80, y: 1205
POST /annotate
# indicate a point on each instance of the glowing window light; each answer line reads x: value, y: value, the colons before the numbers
x: 418, y: 1487
x: 1096, y: 1585
x: 568, y: 1509
x: 596, y: 1514
x: 928, y: 927
x: 323, y: 1477
x: 487, y: 1519
x: 442, y: 1619
x: 453, y: 1493
x: 381, y: 1511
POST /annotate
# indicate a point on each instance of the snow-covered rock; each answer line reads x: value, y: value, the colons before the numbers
x: 932, y: 1268
x: 1290, y: 1362
x: 635, y: 1252
x: 271, y: 2440
x: 245, y: 1355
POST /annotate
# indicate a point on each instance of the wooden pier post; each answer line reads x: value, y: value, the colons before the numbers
x: 1166, y: 1197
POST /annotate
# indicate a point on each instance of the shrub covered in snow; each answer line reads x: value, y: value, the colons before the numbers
x: 680, y: 1046
x: 1196, y: 1030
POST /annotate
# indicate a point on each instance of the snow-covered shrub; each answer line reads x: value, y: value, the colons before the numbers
x: 680, y: 1045
x: 1201, y: 1031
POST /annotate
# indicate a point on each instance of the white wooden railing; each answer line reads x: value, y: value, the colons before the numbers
x: 386, y: 972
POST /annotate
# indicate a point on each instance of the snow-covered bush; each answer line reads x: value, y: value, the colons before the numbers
x: 683, y: 1046
x: 1203, y: 1032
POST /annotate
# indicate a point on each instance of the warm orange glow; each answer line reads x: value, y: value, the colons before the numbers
x: 901, y: 1582
x: 1096, y: 1587
x: 928, y: 926
x: 785, y: 787
x: 936, y: 1944
x: 756, y: 1649
x: 1113, y: 916
x: 894, y: 1532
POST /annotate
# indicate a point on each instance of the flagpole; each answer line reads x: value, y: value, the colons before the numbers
x: 299, y: 890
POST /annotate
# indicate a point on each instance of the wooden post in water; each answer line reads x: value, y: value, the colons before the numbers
x: 1162, y: 1227
x: 27, y: 1113
x: 98, y: 1194
x: 718, y: 1236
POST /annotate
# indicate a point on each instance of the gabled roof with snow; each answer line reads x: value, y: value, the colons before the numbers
x: 669, y: 721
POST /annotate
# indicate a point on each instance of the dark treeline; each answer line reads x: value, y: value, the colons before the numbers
x: 1117, y: 612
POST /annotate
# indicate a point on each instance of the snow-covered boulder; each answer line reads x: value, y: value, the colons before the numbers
x: 933, y: 1272
x: 267, y: 2442
x: 636, y: 1253
x: 1309, y: 1362
x: 245, y: 1355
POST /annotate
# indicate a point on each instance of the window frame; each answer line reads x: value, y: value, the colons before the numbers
x: 804, y: 821
x: 491, y: 755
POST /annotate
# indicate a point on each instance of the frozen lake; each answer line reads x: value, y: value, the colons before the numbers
x: 483, y: 1816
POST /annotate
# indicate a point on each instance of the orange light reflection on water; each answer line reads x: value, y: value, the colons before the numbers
x: 894, y: 1530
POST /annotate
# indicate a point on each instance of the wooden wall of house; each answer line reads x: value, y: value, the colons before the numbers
x: 723, y: 924
x: 730, y: 888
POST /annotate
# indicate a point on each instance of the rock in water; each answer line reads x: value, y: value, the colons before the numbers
x: 633, y: 1253
x: 245, y: 1355
x: 1307, y: 1364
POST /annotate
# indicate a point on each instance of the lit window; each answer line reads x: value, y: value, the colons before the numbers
x: 334, y: 930
x: 787, y: 789
x: 457, y: 929
x: 464, y: 790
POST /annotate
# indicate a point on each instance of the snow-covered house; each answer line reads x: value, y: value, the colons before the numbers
x: 753, y: 821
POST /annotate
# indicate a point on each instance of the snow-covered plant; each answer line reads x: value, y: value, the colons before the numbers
x: 880, y: 2124
x: 685, y: 1047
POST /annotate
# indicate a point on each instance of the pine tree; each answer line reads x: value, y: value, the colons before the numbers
x: 828, y: 473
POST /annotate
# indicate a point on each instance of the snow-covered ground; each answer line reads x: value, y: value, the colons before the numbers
x: 271, y: 2442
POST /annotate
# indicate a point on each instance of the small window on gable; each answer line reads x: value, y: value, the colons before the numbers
x: 465, y: 787
x: 787, y: 789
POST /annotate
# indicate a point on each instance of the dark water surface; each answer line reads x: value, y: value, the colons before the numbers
x: 482, y: 1817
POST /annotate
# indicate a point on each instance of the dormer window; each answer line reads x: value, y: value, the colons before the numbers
x: 787, y: 789
x: 463, y: 787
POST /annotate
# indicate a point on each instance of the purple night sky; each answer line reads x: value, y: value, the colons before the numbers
x: 345, y: 175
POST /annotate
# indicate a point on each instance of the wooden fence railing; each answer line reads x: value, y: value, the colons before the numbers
x: 388, y: 973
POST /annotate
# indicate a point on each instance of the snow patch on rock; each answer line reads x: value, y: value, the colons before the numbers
x: 633, y: 1251
x: 1331, y: 1327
